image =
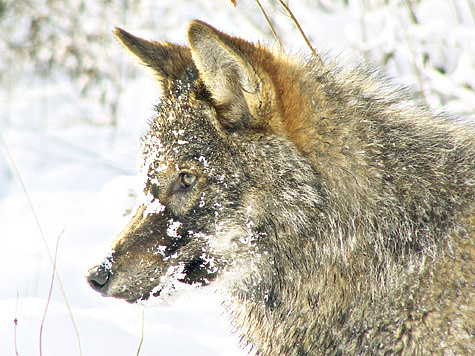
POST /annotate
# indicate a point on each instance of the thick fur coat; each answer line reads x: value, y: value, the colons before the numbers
x: 332, y: 209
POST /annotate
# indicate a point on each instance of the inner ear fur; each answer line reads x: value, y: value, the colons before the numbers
x: 169, y: 62
x: 224, y: 68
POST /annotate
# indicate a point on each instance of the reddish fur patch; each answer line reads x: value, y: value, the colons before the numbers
x: 285, y: 110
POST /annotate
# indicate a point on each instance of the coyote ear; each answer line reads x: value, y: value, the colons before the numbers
x: 226, y: 73
x: 169, y: 62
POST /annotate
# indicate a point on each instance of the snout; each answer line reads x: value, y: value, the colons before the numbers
x: 98, y: 277
x: 151, y: 254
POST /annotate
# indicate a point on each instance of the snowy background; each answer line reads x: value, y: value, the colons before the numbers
x: 73, y: 108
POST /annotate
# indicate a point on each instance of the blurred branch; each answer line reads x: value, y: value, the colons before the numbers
x: 412, y: 13
x: 50, y: 291
x: 471, y: 6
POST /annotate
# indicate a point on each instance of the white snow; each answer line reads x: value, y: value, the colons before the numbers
x: 153, y: 206
x: 80, y: 172
x: 173, y: 227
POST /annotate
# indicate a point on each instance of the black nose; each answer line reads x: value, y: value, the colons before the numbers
x: 98, y: 277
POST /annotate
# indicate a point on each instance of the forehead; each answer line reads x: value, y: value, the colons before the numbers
x: 183, y: 131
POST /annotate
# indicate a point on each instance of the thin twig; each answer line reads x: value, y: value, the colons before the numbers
x: 50, y: 291
x: 141, y: 337
x: 25, y: 191
x: 16, y: 324
x: 269, y: 23
x: 315, y: 54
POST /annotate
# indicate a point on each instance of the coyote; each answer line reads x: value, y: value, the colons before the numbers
x: 333, y: 210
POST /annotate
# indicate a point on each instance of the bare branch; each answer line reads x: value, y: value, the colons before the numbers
x: 37, y: 220
x: 315, y: 54
x: 269, y: 23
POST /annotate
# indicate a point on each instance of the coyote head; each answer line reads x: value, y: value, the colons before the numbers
x: 216, y: 165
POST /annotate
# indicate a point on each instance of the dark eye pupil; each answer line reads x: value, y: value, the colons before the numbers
x: 187, y: 179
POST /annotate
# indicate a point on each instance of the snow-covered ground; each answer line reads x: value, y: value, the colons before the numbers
x: 79, y: 174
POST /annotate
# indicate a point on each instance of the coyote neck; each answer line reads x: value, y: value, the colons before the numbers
x: 339, y: 310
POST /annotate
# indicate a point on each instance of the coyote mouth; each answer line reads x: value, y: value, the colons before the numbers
x: 200, y: 271
x: 167, y: 278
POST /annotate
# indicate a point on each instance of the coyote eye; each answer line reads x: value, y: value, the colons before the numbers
x: 187, y: 180
x: 184, y: 181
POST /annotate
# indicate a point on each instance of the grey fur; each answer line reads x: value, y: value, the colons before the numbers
x: 333, y: 210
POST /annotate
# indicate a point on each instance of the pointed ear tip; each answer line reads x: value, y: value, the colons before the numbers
x: 197, y: 27
x: 120, y: 34
x: 197, y: 23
